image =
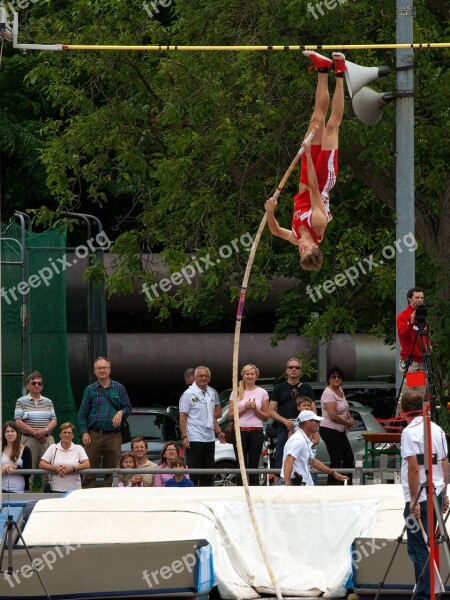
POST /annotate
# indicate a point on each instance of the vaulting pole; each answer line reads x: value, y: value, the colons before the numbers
x: 237, y: 335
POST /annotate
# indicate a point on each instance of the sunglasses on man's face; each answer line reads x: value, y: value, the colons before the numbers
x: 294, y: 367
x: 36, y: 383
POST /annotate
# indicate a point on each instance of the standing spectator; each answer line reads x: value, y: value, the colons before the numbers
x: 65, y: 460
x: 178, y: 480
x: 139, y: 451
x: 128, y: 461
x: 413, y: 481
x: 253, y: 404
x: 298, y: 457
x: 337, y: 420
x: 199, y: 411
x: 283, y: 408
x: 14, y: 456
x: 168, y: 454
x: 303, y: 403
x: 36, y: 418
x: 189, y: 376
x: 104, y: 404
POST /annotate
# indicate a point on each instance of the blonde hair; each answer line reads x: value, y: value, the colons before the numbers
x: 67, y: 425
x: 241, y: 385
x: 312, y: 261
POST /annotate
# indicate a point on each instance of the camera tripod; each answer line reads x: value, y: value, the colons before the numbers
x: 443, y: 538
x: 7, y: 543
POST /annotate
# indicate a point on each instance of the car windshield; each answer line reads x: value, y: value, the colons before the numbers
x: 152, y: 427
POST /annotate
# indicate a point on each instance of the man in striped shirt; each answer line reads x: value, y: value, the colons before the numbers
x: 99, y: 420
x: 36, y: 418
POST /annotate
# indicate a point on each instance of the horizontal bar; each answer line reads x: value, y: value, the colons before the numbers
x: 163, y: 48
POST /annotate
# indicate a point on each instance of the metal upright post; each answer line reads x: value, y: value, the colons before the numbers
x: 405, y: 262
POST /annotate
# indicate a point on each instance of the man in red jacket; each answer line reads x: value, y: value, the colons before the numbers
x: 411, y: 341
x: 407, y: 332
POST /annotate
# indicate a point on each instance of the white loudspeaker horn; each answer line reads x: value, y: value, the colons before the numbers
x: 357, y: 76
x: 368, y: 105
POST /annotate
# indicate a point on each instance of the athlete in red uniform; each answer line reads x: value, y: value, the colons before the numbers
x: 319, y: 168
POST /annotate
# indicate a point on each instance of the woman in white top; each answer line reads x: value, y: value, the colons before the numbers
x: 64, y: 460
x: 14, y: 456
x: 253, y: 404
x: 336, y: 421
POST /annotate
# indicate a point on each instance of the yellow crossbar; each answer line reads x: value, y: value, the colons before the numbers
x: 421, y: 46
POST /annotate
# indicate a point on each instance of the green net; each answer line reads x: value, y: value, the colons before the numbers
x: 34, y: 330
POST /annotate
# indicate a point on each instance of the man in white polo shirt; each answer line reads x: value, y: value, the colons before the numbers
x: 36, y: 418
x: 199, y: 411
x: 413, y: 480
x: 298, y: 457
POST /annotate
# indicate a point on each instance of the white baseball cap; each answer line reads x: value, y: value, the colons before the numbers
x: 308, y: 415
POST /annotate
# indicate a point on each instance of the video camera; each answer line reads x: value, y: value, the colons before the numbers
x: 421, y: 314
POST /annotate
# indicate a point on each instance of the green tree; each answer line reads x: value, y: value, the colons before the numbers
x: 186, y: 146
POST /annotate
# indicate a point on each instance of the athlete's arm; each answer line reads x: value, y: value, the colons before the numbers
x: 273, y: 224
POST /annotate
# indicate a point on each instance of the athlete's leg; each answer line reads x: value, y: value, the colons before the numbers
x: 330, y: 138
x: 322, y: 65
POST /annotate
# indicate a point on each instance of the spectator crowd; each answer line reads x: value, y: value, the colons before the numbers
x: 28, y: 443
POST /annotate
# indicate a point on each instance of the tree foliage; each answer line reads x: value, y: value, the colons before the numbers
x: 178, y: 151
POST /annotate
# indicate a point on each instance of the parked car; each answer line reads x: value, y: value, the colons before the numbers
x: 157, y: 426
x: 362, y: 415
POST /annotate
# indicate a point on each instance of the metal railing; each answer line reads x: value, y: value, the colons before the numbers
x: 360, y: 475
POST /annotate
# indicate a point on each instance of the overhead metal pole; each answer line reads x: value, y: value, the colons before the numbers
x: 405, y: 262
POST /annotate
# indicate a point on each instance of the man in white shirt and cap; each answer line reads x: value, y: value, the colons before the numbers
x: 298, y: 457
x: 414, y: 478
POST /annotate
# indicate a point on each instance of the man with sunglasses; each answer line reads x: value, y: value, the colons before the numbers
x: 283, y: 406
x: 36, y: 419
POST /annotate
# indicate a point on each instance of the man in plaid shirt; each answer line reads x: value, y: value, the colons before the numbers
x: 99, y: 420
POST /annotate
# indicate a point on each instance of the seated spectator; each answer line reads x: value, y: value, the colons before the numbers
x: 168, y: 453
x: 139, y: 451
x: 14, y: 456
x: 64, y: 460
x: 179, y: 480
x: 128, y: 461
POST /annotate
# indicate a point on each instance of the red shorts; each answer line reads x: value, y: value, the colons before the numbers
x: 325, y: 166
